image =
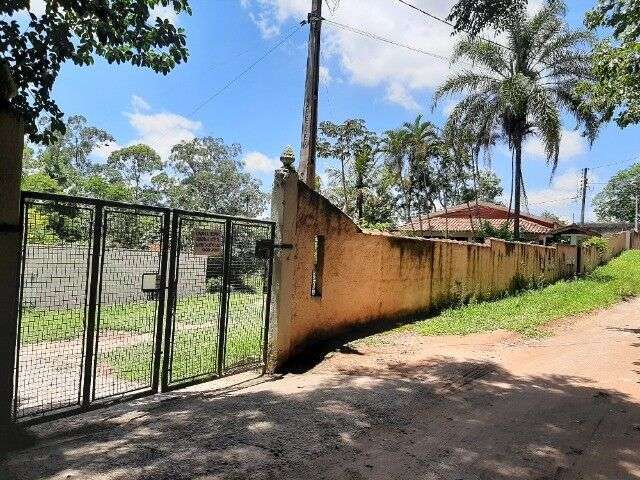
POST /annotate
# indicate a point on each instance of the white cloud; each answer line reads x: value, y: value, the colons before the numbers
x: 571, y: 145
x: 259, y: 162
x: 139, y: 104
x: 164, y: 13
x: 38, y: 7
x: 103, y: 151
x: 366, y: 61
x: 397, y: 93
x: 161, y: 131
x: 561, y: 197
x: 325, y: 75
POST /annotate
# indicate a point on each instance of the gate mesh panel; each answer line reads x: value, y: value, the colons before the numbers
x: 200, y: 260
x: 126, y: 322
x: 56, y: 258
x: 247, y: 299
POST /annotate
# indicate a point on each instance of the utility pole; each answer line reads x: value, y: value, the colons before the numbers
x: 636, y: 217
x: 310, y: 113
x: 584, y: 194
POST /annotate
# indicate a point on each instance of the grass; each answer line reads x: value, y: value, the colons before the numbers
x: 41, y: 325
x: 195, y: 339
x: 195, y: 351
x: 526, y: 312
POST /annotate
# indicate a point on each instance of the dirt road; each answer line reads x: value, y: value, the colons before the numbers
x: 398, y: 406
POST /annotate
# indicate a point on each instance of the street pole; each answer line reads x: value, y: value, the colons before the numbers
x: 584, y: 194
x: 310, y: 113
x: 636, y: 217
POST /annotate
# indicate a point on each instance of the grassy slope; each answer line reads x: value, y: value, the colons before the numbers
x: 526, y: 312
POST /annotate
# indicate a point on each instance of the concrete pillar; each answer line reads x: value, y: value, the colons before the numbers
x: 284, y: 212
x: 11, y: 145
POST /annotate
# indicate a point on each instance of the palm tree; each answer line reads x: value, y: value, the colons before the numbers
x: 522, y: 88
x: 408, y: 151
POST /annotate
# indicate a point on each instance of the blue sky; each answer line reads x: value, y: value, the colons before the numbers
x: 364, y: 78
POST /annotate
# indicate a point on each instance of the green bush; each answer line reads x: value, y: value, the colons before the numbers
x: 600, y: 244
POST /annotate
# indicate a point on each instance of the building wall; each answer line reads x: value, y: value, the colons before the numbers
x: 368, y: 277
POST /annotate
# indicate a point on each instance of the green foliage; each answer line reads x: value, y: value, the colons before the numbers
x: 487, y: 188
x: 552, y: 217
x: 346, y: 142
x: 211, y: 178
x: 120, y: 31
x: 600, y: 244
x: 614, y: 88
x: 474, y: 16
x: 527, y: 312
x: 521, y: 91
x: 40, y: 182
x: 133, y: 164
x: 489, y: 231
x: 616, y: 201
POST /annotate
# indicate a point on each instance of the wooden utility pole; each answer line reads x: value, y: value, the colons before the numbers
x: 584, y: 194
x: 636, y: 217
x: 310, y: 113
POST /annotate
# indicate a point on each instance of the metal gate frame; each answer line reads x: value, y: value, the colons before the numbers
x: 172, y: 285
x: 166, y: 299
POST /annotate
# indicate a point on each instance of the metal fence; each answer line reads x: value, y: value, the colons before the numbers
x: 97, y: 278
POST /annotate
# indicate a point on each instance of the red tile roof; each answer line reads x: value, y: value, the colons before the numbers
x: 470, y: 217
x: 441, y: 224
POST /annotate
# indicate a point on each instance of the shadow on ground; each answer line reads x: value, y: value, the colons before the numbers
x: 439, y: 419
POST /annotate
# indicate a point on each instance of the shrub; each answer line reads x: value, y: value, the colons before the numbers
x: 600, y: 244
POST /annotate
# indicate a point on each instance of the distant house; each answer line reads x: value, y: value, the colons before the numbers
x: 572, y: 234
x: 576, y: 232
x: 464, y: 221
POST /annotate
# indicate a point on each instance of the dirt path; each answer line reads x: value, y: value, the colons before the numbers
x: 398, y: 406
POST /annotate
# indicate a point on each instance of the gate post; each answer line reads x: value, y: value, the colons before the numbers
x: 284, y: 212
x: 11, y: 147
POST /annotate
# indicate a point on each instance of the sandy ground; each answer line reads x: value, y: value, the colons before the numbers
x: 398, y: 406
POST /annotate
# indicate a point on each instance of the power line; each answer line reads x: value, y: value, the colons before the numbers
x: 386, y: 40
x: 616, y: 162
x: 248, y: 69
x: 449, y: 24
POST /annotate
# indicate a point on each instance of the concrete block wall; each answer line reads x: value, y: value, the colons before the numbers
x: 368, y: 277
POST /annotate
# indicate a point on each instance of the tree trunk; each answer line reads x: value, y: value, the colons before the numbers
x: 517, y: 187
x: 360, y: 197
x: 344, y: 186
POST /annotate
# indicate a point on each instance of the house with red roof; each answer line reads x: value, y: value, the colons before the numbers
x: 464, y: 221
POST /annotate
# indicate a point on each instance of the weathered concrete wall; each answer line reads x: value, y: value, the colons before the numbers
x: 369, y: 277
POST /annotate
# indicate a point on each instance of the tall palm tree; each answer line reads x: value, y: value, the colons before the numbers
x: 522, y: 88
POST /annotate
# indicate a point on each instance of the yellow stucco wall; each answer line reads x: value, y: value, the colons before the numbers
x: 369, y: 277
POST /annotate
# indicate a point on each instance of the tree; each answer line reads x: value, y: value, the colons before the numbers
x: 473, y: 16
x: 522, y: 89
x: 488, y: 187
x: 343, y: 141
x: 616, y: 201
x: 552, y: 217
x: 120, y: 31
x: 409, y: 152
x: 66, y: 158
x: 615, y: 87
x: 210, y: 178
x: 135, y: 163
